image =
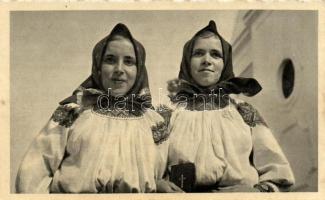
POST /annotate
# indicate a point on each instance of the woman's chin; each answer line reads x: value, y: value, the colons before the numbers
x: 120, y: 92
x: 206, y: 83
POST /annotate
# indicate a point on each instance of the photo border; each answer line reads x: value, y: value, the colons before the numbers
x: 5, y: 9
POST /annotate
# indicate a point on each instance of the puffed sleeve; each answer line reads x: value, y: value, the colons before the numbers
x: 44, y: 155
x: 269, y: 160
x: 275, y: 173
x: 162, y: 159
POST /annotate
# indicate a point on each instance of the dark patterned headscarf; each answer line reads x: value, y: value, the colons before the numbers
x: 227, y: 83
x: 89, y: 91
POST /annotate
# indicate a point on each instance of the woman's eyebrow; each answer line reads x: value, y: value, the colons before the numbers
x: 217, y: 50
x: 198, y: 49
x: 108, y: 55
x: 130, y: 57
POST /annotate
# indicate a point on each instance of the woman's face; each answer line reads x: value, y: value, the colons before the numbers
x: 206, y: 61
x: 119, y: 68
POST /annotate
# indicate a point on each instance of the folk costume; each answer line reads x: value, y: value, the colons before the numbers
x: 96, y: 148
x: 226, y: 139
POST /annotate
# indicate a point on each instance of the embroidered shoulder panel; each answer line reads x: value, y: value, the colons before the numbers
x: 64, y: 116
x: 160, y: 132
x: 250, y: 114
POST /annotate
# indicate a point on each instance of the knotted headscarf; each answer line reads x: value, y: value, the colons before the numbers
x: 227, y: 83
x: 89, y: 91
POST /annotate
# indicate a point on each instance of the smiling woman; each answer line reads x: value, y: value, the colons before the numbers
x: 119, y: 66
x: 85, y: 149
x: 206, y: 61
x: 51, y: 54
x: 221, y: 141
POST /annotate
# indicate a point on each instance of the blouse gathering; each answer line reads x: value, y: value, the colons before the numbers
x: 99, y: 153
x: 227, y: 148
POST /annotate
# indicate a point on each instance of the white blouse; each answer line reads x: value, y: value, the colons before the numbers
x: 98, y: 153
x: 220, y: 143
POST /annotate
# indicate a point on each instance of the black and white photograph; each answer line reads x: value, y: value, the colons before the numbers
x: 164, y: 101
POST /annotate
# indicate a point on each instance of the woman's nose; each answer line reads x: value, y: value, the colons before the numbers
x: 119, y: 67
x: 206, y: 60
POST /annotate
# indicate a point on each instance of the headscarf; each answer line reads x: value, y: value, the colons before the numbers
x: 88, y: 92
x: 227, y: 83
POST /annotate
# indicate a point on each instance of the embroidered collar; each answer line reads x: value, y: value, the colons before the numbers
x: 118, y: 113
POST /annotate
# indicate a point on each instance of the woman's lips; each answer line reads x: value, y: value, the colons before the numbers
x: 206, y: 70
x: 118, y: 81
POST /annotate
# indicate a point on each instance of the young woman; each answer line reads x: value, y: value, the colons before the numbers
x: 225, y: 140
x: 105, y: 137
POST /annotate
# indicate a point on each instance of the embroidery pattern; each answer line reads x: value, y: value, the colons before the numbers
x: 165, y: 112
x: 64, y: 116
x: 250, y: 114
x: 118, y: 113
x: 160, y: 132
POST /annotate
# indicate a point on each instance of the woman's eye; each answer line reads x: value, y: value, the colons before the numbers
x: 216, y: 54
x: 129, y: 61
x: 110, y: 59
x: 198, y: 53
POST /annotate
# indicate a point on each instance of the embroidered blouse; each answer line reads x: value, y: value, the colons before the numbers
x: 229, y: 147
x: 96, y: 153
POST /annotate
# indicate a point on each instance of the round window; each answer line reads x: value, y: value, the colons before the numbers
x: 288, y: 77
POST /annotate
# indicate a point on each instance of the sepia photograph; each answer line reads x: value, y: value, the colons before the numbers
x: 164, y: 101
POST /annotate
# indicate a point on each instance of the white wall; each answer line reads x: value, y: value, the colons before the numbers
x: 279, y: 35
